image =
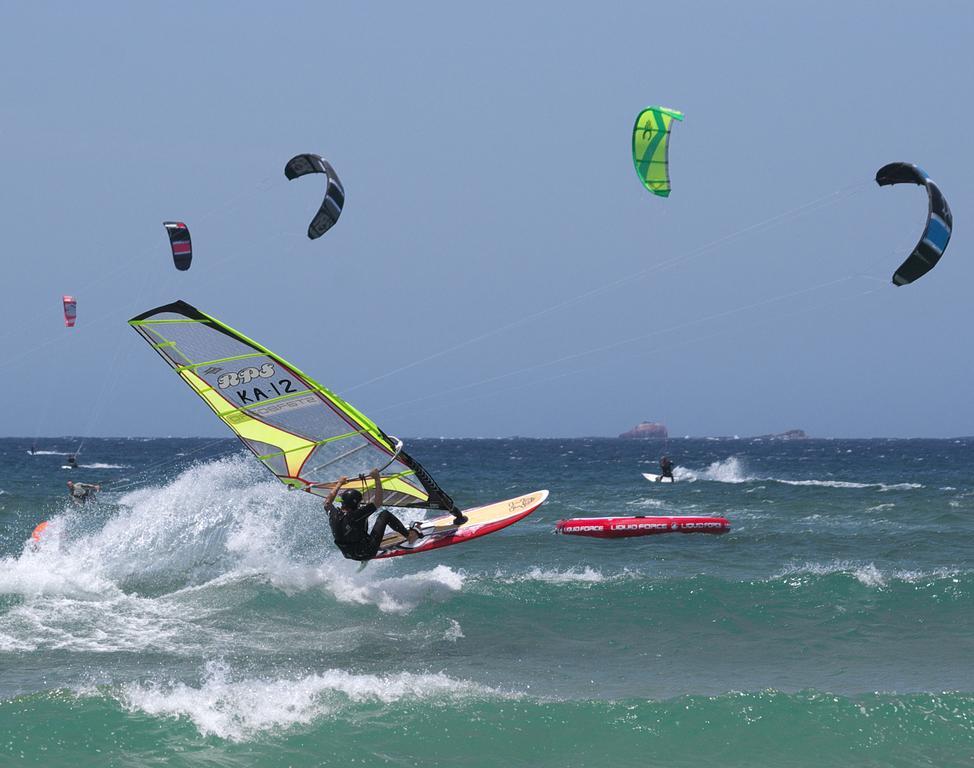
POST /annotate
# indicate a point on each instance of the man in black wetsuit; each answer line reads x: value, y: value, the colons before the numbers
x: 349, y: 522
x: 665, y: 468
x: 82, y: 492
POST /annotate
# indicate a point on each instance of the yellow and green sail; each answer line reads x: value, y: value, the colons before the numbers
x: 650, y: 148
x: 306, y: 435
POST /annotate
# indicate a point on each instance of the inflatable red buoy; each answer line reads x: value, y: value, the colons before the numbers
x: 624, y: 527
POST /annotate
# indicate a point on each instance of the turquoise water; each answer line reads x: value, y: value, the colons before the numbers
x: 198, y: 615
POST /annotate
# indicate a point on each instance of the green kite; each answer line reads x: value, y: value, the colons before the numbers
x: 650, y: 148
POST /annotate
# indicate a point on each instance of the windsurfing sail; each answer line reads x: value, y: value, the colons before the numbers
x: 181, y: 244
x: 331, y: 206
x: 940, y: 221
x: 70, y: 306
x: 650, y: 148
x: 302, y: 432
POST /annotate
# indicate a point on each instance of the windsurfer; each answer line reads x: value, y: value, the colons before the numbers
x: 349, y: 522
x: 82, y: 492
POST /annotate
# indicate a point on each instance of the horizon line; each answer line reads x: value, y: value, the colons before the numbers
x: 767, y: 436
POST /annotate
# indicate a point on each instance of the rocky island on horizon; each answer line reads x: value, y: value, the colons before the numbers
x: 647, y: 430
x: 654, y: 430
x: 788, y: 434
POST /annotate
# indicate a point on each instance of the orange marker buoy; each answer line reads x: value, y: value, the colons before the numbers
x: 36, y: 535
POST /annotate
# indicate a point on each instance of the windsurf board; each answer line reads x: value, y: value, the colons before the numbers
x: 481, y: 521
x: 657, y: 478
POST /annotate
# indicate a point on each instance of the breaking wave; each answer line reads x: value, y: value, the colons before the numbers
x: 732, y: 470
x: 239, y: 710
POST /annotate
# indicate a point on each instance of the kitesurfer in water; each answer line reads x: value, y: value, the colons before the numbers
x: 82, y: 492
x: 349, y: 522
x: 665, y: 468
x: 72, y: 462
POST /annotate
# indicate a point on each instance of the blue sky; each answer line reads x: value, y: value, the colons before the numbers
x: 492, y: 212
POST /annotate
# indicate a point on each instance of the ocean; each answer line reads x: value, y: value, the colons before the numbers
x: 198, y: 614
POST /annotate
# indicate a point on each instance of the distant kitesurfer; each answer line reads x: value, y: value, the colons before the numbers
x: 72, y: 462
x: 82, y: 492
x: 349, y: 522
x: 665, y: 468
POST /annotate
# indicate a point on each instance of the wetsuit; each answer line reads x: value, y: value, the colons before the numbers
x: 666, y: 468
x: 351, y: 533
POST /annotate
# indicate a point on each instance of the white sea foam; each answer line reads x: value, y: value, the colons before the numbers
x: 100, y: 465
x: 849, y: 484
x: 239, y: 710
x: 180, y: 532
x: 586, y: 575
x: 867, y: 574
x: 454, y: 632
x: 732, y: 470
x: 127, y: 623
x: 652, y: 503
x: 576, y: 575
x: 43, y: 569
x: 73, y: 600
x: 376, y: 586
x: 870, y: 576
x: 11, y: 644
x: 130, y: 583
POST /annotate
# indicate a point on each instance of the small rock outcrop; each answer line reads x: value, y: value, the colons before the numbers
x: 791, y: 434
x: 647, y: 430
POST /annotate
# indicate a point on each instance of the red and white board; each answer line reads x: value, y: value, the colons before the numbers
x: 481, y: 521
x: 625, y: 527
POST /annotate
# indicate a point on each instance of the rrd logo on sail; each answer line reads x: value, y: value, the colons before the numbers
x: 245, y: 376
